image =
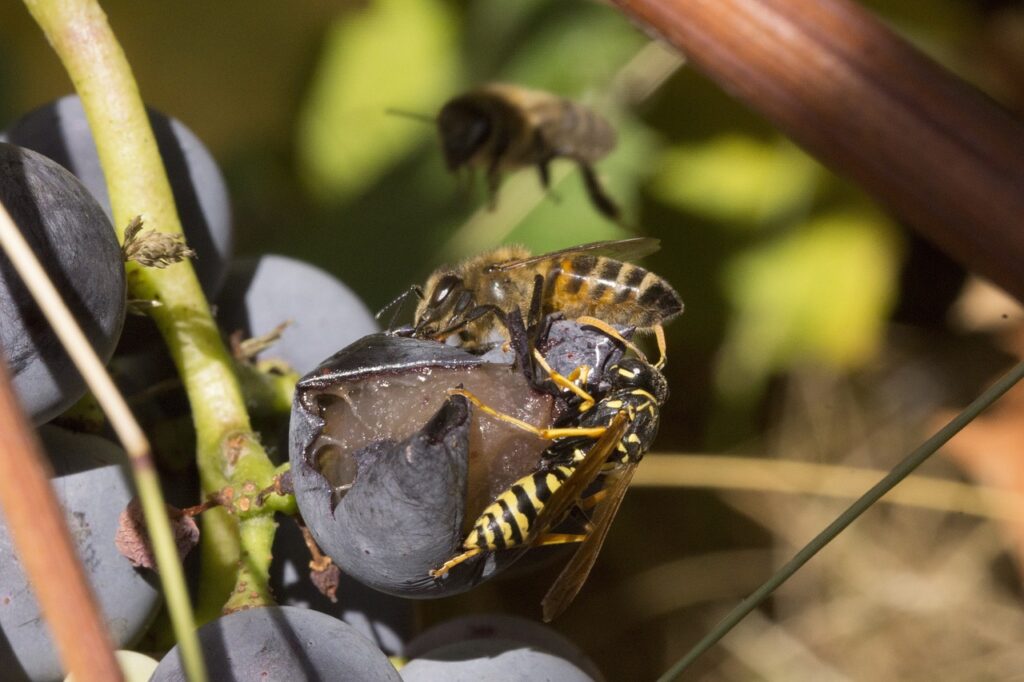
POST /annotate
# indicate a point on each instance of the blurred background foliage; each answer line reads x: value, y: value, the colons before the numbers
x: 785, y: 268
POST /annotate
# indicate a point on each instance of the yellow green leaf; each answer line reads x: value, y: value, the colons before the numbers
x: 737, y: 179
x: 819, y: 294
x: 392, y: 54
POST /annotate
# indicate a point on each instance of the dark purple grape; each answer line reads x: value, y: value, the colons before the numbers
x: 282, y: 643
x: 386, y: 498
x: 261, y: 293
x: 485, y: 626
x: 60, y: 131
x: 385, y: 620
x: 73, y: 238
x: 495, y: 660
x: 91, y: 483
x: 388, y: 470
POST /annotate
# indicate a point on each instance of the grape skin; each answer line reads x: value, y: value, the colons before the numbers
x: 73, y: 239
x: 501, y: 626
x: 282, y: 643
x: 60, y: 131
x: 324, y: 314
x: 404, y: 513
x: 385, y: 620
x: 495, y: 660
x: 91, y: 484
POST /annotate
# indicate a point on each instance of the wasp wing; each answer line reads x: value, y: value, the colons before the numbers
x: 619, y: 249
x: 568, y: 583
x: 583, y: 474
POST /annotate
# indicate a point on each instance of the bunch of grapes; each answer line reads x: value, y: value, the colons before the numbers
x: 297, y: 315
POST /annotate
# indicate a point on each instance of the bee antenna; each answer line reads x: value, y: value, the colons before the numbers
x: 423, y: 118
x: 398, y: 301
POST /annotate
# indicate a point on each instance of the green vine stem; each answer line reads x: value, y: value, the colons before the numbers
x: 229, y: 454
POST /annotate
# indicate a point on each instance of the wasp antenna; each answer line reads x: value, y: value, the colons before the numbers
x: 423, y: 118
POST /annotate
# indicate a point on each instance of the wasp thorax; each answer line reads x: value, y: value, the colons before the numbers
x: 392, y: 407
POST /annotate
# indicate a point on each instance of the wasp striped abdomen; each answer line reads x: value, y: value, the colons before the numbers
x: 509, y: 520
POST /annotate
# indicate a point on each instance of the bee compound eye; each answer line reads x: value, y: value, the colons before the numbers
x: 445, y: 286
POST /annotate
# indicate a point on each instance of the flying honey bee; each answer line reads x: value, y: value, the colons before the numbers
x: 583, y: 281
x: 501, y: 127
x: 624, y: 422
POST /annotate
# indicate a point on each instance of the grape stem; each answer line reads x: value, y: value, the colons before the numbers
x: 235, y: 547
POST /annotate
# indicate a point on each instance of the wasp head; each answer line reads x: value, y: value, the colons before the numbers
x: 636, y: 373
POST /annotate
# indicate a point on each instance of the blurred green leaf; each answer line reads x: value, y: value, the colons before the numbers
x: 737, y: 179
x: 935, y: 26
x: 820, y: 293
x: 397, y: 54
x: 578, y: 48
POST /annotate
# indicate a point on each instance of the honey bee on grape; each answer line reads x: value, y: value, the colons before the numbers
x: 500, y: 127
x: 605, y: 441
x: 588, y: 281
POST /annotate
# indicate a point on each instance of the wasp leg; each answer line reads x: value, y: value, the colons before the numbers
x: 569, y: 383
x: 659, y: 335
x: 606, y: 328
x: 454, y: 561
x: 558, y: 539
x: 547, y: 434
x: 592, y: 500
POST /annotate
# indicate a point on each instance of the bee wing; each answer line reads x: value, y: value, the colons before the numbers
x: 568, y: 583
x: 583, y: 474
x: 619, y: 249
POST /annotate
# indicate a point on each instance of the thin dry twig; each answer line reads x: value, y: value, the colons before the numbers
x: 89, y: 365
x: 807, y: 478
x: 47, y: 553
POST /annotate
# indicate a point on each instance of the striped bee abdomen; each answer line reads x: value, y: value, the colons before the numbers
x: 508, y: 520
x: 575, y: 131
x: 616, y: 292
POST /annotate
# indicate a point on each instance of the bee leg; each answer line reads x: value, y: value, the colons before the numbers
x: 493, y: 177
x: 519, y: 340
x: 602, y: 202
x: 472, y: 315
x: 544, y: 171
x: 536, y: 305
x: 454, y: 561
x: 547, y: 434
